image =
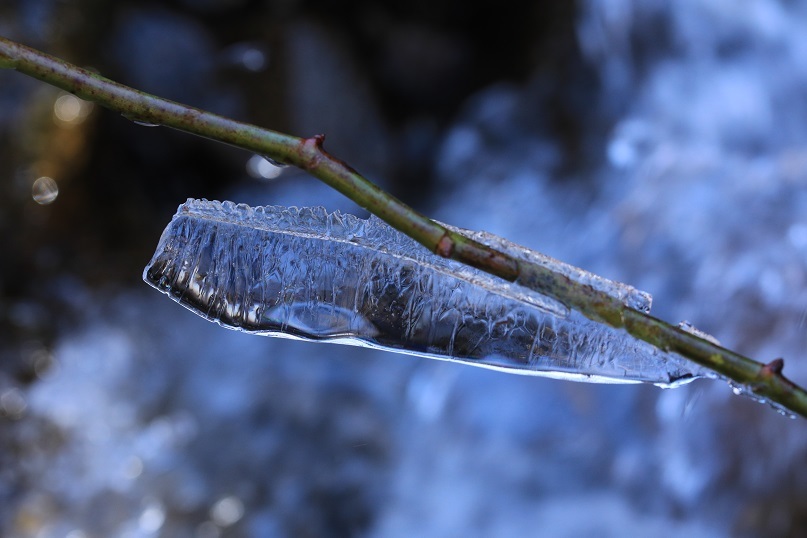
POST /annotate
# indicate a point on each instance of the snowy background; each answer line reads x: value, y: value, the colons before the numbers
x: 659, y: 143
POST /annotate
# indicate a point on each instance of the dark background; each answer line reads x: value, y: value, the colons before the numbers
x: 661, y: 146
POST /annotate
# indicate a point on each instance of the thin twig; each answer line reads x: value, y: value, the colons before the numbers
x: 764, y: 380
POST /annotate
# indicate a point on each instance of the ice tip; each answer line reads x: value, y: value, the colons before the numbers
x: 158, y: 270
x: 154, y: 274
x: 641, y: 301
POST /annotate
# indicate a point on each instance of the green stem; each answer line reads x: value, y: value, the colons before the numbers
x: 765, y: 381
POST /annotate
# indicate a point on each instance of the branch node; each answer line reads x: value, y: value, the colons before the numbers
x: 444, y: 247
x: 313, y: 145
x: 315, y: 141
x: 773, y: 368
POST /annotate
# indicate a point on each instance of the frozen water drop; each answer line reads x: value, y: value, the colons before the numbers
x: 686, y: 326
x: 784, y: 412
x: 748, y: 391
x: 45, y: 190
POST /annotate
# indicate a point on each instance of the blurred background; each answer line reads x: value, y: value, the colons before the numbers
x: 659, y: 143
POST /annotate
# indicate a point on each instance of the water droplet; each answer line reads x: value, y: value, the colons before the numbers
x: 275, y: 162
x: 784, y: 412
x: 227, y: 511
x: 748, y: 392
x: 139, y: 121
x: 45, y: 190
x: 261, y: 167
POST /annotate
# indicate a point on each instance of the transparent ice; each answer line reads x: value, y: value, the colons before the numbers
x: 307, y: 274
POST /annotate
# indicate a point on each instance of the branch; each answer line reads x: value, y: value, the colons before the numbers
x: 765, y: 381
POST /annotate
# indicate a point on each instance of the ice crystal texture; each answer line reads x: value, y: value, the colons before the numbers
x: 308, y: 274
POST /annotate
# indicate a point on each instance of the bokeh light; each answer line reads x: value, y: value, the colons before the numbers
x: 69, y: 110
x: 45, y: 190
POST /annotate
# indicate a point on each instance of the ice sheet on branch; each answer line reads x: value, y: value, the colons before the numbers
x: 308, y: 274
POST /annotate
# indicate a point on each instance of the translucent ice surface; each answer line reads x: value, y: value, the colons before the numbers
x: 628, y: 295
x: 308, y: 274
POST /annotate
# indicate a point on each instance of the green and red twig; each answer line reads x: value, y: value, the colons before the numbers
x: 764, y: 380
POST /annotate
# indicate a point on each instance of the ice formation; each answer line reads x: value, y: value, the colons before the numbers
x: 308, y: 274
